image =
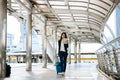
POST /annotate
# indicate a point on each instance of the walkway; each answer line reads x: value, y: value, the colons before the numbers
x: 79, y: 71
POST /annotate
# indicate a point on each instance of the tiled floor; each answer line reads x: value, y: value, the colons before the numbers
x: 79, y: 71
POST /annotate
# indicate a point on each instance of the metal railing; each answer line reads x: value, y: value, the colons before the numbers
x: 109, y: 58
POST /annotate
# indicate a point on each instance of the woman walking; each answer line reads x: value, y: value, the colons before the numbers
x: 62, y: 48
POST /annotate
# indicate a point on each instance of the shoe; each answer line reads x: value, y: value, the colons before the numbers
x: 63, y: 73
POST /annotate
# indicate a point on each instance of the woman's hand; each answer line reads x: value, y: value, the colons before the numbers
x: 65, y: 41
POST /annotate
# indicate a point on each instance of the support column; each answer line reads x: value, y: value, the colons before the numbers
x: 3, y: 35
x: 29, y: 43
x: 44, y: 43
x: 69, y: 52
x: 79, y: 54
x: 55, y: 44
x: 75, y: 51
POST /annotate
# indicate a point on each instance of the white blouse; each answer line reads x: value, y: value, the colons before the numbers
x: 62, y: 48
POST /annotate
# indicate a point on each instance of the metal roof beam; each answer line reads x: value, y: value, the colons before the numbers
x: 23, y: 5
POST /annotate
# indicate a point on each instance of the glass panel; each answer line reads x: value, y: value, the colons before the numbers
x: 80, y: 18
x: 80, y: 15
x: 64, y: 14
x: 108, y: 1
x: 57, y: 2
x: 100, y: 3
x: 63, y: 17
x: 60, y: 7
x: 79, y: 0
x: 78, y: 8
x: 66, y: 19
x: 40, y: 1
x: 82, y: 26
x: 78, y: 3
x: 96, y: 12
x: 95, y: 18
x: 43, y: 6
x: 13, y: 4
x: 98, y: 8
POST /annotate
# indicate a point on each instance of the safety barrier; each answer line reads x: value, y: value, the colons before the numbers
x: 109, y: 58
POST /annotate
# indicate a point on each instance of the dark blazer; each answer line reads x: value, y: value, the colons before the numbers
x: 59, y: 45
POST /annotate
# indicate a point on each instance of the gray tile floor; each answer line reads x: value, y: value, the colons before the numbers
x: 79, y: 71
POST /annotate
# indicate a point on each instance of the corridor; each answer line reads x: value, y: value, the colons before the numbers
x: 79, y: 71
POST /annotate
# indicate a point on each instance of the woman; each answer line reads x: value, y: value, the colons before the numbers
x: 62, y: 48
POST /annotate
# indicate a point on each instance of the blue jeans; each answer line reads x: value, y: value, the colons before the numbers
x: 63, y: 60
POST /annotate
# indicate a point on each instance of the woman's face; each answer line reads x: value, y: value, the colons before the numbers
x: 63, y: 35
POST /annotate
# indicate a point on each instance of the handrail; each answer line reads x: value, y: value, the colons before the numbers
x: 108, y: 54
x: 116, y: 39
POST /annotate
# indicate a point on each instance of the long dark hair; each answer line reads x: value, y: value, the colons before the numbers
x: 62, y: 34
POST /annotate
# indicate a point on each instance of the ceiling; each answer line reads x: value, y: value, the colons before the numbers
x: 83, y: 20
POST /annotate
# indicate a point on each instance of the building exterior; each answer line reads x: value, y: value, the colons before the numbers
x: 36, y: 42
x: 117, y: 21
x: 10, y: 39
x: 21, y: 46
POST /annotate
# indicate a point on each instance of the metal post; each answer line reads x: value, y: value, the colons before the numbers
x: 103, y: 61
x: 17, y: 59
x: 75, y: 51
x: 44, y: 43
x: 79, y: 54
x: 110, y: 62
x: 3, y: 35
x: 69, y: 53
x: 29, y: 42
x: 116, y: 60
x: 98, y: 58
x: 106, y: 63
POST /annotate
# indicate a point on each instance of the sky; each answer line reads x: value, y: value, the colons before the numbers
x: 13, y: 27
x: 112, y: 23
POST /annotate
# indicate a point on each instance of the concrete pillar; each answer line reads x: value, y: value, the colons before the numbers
x: 3, y: 35
x: 29, y: 42
x: 69, y: 51
x: 75, y: 51
x: 55, y: 44
x: 44, y: 43
x: 79, y: 54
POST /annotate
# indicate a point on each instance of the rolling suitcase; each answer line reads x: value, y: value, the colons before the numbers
x: 58, y: 66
